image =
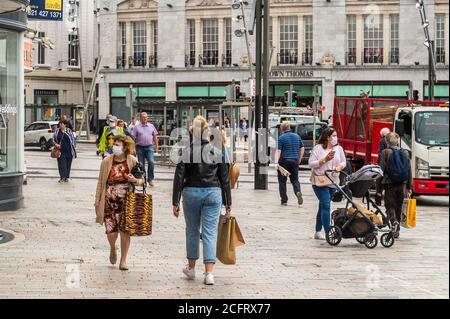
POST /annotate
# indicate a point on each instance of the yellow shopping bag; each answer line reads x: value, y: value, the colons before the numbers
x: 409, y: 213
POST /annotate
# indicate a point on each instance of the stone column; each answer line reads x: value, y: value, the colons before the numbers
x: 149, y: 41
x: 129, y: 27
x: 221, y: 40
x: 359, y: 39
x: 386, y: 38
x: 301, y: 39
x: 446, y: 45
x: 198, y: 41
x: 275, y: 39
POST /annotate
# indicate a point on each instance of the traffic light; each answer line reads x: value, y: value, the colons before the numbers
x: 294, y: 99
x: 290, y: 98
x: 237, y: 92
x: 416, y: 95
x: 233, y: 92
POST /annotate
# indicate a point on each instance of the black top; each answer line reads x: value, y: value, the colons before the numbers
x: 202, y: 167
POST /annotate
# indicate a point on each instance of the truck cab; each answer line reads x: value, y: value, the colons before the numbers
x: 424, y: 132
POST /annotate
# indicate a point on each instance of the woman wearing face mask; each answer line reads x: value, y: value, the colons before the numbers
x: 326, y: 155
x: 113, y: 183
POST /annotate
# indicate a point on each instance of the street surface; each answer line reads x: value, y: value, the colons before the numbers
x: 61, y: 253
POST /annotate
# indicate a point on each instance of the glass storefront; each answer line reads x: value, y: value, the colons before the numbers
x: 12, y: 26
x: 10, y: 64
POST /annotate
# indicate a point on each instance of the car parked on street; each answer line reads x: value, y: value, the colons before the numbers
x: 40, y: 134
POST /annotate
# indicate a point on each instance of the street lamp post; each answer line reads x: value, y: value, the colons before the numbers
x: 430, y: 46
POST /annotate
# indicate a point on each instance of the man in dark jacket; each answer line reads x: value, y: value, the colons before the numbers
x: 394, y: 192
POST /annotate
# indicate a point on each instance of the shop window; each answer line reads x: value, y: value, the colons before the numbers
x: 9, y: 100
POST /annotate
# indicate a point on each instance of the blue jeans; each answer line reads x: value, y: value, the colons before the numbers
x: 323, y: 215
x: 201, y: 208
x: 147, y: 153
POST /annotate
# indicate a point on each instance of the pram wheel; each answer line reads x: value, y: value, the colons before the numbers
x: 334, y: 236
x: 360, y: 240
x: 387, y: 240
x: 371, y: 241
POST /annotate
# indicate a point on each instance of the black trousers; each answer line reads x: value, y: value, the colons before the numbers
x: 291, y: 165
x: 64, y: 166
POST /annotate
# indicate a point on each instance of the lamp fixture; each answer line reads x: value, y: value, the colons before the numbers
x: 235, y: 65
x: 338, y: 63
x: 318, y: 64
x: 240, y: 32
x: 417, y: 63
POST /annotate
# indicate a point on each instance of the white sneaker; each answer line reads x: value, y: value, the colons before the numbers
x: 209, y: 279
x: 319, y: 236
x: 189, y: 272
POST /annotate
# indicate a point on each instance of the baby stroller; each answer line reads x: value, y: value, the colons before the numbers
x: 357, y: 220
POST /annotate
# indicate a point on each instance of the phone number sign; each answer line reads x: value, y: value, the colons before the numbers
x: 46, y: 10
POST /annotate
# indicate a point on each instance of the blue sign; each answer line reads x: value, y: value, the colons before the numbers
x: 46, y: 10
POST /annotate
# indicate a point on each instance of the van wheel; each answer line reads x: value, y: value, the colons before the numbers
x: 43, y: 145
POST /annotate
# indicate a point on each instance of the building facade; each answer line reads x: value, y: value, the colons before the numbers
x: 184, y: 52
x: 12, y: 26
x: 54, y: 86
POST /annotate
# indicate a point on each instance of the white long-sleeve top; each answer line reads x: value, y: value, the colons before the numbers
x: 318, y: 153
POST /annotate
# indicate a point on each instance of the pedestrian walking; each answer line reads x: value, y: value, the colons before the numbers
x: 133, y: 123
x: 107, y: 139
x: 202, y: 180
x: 288, y: 156
x: 112, y: 186
x: 325, y: 156
x: 243, y: 126
x: 382, y: 146
x: 397, y: 179
x: 146, y: 138
x: 65, y: 141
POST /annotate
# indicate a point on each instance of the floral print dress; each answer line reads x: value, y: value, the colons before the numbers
x: 116, y: 190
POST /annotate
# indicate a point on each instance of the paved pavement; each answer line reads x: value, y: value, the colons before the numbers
x: 62, y: 253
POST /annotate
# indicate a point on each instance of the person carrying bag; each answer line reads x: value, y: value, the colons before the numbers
x: 113, y: 197
x: 327, y: 155
x: 64, y: 150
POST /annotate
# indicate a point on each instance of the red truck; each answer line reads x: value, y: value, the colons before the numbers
x: 422, y: 125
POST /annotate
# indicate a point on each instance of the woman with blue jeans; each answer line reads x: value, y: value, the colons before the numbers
x: 202, y: 179
x: 325, y: 156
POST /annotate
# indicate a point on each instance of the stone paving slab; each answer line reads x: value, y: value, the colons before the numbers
x: 64, y: 254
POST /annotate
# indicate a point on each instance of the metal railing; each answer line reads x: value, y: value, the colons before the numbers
x: 394, y: 56
x: 350, y: 57
x: 372, y: 56
x: 189, y: 60
x: 440, y: 55
x: 307, y: 57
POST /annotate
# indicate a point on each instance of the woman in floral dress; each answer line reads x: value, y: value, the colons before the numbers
x: 113, y: 184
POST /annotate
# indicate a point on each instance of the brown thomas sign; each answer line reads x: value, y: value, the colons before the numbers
x: 291, y: 74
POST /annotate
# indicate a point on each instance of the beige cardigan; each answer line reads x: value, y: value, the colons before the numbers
x: 105, y: 168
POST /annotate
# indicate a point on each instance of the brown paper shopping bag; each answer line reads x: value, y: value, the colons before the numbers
x: 228, y: 238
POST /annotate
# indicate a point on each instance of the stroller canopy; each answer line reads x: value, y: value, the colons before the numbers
x: 366, y: 173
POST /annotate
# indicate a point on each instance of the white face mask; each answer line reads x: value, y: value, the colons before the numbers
x: 112, y: 125
x: 117, y: 150
x: 334, y: 140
